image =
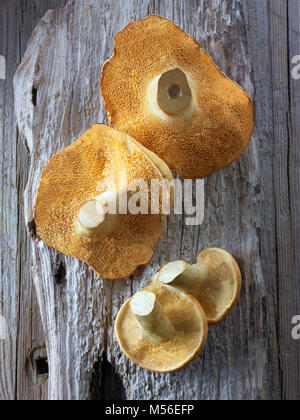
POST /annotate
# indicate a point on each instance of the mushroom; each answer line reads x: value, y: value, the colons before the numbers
x: 82, y: 202
x: 161, y: 329
x: 215, y: 281
x: 161, y: 88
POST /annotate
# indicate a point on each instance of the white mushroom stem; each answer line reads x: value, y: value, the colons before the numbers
x: 151, y: 316
x: 100, y: 214
x: 170, y: 95
x: 182, y: 275
x: 215, y: 281
x: 91, y: 215
x: 173, y: 92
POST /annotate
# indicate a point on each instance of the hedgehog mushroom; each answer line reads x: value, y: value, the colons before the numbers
x: 81, y: 205
x: 215, y: 281
x: 161, y: 88
x: 161, y: 329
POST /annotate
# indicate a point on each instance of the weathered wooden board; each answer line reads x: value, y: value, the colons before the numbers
x: 251, y: 209
x: 63, y: 64
x: 18, y: 302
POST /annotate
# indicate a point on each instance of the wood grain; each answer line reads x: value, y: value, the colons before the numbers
x: 251, y: 207
x: 18, y: 302
x: 68, y: 102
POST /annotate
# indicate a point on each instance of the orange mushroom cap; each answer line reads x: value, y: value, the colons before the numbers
x: 161, y: 88
x: 161, y: 329
x: 68, y: 212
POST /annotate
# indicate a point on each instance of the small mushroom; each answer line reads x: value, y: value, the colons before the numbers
x: 81, y: 200
x: 161, y: 88
x: 161, y: 329
x: 215, y: 281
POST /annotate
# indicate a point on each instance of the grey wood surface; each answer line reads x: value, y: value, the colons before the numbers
x: 251, y: 207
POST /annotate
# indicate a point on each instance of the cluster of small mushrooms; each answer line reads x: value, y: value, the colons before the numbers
x: 169, y: 107
x: 164, y: 327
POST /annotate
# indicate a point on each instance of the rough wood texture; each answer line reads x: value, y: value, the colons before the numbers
x: 18, y: 302
x: 251, y: 208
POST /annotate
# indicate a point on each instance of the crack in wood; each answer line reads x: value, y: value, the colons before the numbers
x: 60, y: 272
x: 106, y: 383
x: 34, y: 96
x: 32, y: 230
x: 36, y: 366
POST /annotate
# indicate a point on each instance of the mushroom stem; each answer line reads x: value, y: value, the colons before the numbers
x: 151, y: 317
x: 182, y: 275
x: 91, y: 215
x: 215, y: 281
x: 100, y: 213
x: 173, y: 92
